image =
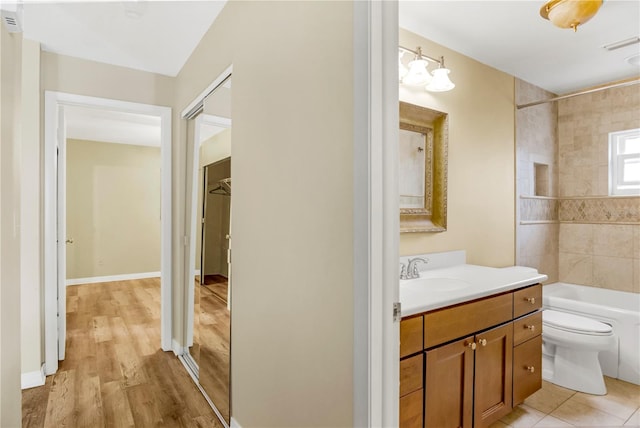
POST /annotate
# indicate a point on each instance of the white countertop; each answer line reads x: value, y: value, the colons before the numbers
x: 437, y: 288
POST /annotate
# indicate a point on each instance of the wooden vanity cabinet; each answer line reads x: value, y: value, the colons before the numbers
x: 481, y: 358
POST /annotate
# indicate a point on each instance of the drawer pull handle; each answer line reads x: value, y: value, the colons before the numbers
x: 530, y: 327
x: 483, y: 342
x: 472, y: 345
x: 531, y: 300
x: 530, y: 369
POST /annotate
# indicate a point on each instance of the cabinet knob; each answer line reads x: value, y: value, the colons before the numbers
x: 472, y: 345
x: 483, y: 342
x: 530, y: 327
x: 530, y: 369
x: 531, y: 300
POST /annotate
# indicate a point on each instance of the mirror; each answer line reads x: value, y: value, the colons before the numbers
x: 423, y: 147
x: 208, y: 311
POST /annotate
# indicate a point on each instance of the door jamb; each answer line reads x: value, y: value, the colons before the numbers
x: 54, y: 99
x: 376, y: 356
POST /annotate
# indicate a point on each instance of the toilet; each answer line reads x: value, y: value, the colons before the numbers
x: 570, y: 347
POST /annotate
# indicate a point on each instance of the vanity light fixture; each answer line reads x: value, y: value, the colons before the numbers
x: 570, y: 13
x: 418, y: 75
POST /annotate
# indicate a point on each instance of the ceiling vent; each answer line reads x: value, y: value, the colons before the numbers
x: 622, y: 43
x: 11, y: 20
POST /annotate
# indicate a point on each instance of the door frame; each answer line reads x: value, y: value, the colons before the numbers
x: 376, y: 216
x: 54, y: 104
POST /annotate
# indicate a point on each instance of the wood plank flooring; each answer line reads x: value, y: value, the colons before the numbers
x: 115, y: 374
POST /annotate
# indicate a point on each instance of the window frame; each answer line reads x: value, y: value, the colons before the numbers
x: 617, y: 185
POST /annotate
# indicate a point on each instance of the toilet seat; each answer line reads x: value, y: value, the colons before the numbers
x: 575, y: 323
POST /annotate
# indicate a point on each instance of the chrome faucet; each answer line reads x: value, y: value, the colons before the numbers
x: 403, y: 271
x: 412, y: 268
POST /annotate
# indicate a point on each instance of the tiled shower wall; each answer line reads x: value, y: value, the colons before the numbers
x: 577, y: 233
x: 536, y: 217
x: 599, y: 235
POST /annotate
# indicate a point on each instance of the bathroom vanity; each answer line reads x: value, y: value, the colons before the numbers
x: 471, y: 345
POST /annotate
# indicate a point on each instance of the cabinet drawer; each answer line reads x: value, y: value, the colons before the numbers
x: 411, y: 374
x: 527, y: 369
x: 447, y: 324
x: 410, y: 336
x: 527, y: 327
x: 527, y: 300
x: 411, y: 410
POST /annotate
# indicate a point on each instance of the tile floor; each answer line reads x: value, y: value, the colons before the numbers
x: 554, y: 406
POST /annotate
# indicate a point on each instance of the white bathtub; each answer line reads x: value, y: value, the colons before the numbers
x: 618, y: 308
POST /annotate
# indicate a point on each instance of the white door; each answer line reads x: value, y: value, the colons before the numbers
x: 61, y: 235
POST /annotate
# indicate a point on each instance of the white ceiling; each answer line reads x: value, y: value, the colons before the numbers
x: 154, y: 36
x: 512, y: 37
x: 84, y: 123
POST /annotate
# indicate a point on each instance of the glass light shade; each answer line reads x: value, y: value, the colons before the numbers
x: 440, y: 81
x: 402, y: 70
x: 418, y: 74
x: 570, y: 13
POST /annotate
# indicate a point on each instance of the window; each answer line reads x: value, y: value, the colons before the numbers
x: 624, y: 162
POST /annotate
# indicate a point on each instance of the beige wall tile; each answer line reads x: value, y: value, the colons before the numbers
x: 615, y: 273
x: 576, y: 238
x: 636, y: 241
x: 576, y: 268
x: 613, y: 240
x: 583, y: 126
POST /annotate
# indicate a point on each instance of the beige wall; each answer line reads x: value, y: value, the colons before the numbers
x: 31, y: 243
x: 537, y: 230
x: 82, y: 77
x: 599, y: 238
x: 292, y: 221
x: 10, y: 234
x: 481, y: 205
x: 113, y: 202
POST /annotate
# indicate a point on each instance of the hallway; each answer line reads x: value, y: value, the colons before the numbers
x: 115, y: 374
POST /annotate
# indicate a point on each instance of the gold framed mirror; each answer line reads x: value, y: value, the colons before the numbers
x: 423, y: 152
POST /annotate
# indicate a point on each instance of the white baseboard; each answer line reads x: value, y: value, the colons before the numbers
x: 197, y: 272
x: 110, y: 278
x: 234, y: 423
x: 33, y: 379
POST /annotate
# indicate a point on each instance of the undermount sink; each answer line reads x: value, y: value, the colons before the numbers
x: 435, y: 284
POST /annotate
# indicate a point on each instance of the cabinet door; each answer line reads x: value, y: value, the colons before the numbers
x: 527, y: 369
x: 449, y: 385
x: 493, y: 375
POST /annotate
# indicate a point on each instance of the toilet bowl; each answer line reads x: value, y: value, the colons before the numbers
x: 570, y: 347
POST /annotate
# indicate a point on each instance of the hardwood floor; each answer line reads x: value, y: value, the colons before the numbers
x: 115, y: 374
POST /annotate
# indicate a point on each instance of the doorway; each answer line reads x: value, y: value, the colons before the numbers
x: 55, y: 235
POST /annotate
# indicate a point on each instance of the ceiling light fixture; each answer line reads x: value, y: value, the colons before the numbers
x: 570, y: 13
x: 418, y: 75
